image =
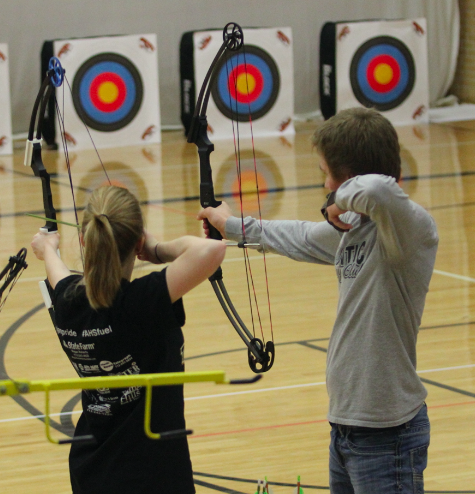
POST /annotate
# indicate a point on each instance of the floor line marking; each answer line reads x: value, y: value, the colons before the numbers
x: 279, y: 388
x: 468, y: 366
x: 456, y: 276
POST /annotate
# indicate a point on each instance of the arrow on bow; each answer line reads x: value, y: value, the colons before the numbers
x: 260, y: 355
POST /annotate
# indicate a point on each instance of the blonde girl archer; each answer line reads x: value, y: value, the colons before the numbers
x: 110, y: 325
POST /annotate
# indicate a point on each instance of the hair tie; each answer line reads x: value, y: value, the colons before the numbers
x: 105, y: 215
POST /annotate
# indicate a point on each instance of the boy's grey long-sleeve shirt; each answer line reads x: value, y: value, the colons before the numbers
x: 384, y: 265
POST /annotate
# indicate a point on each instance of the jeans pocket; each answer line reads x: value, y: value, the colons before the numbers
x: 418, y: 465
x: 373, y: 443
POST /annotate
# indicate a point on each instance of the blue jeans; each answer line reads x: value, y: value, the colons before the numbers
x: 392, y: 460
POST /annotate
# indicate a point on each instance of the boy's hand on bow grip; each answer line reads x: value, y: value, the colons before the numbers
x: 216, y: 217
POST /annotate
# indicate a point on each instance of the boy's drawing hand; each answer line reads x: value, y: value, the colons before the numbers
x: 334, y: 212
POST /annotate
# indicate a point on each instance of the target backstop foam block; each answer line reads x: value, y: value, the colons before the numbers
x: 257, y: 80
x: 376, y: 64
x: 6, y: 143
x: 114, y: 91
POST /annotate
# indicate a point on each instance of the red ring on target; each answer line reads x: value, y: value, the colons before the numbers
x: 98, y: 92
x: 379, y: 83
x: 245, y: 88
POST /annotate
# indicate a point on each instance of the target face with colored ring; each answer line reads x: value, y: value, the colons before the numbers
x: 246, y: 81
x: 107, y: 92
x: 382, y: 73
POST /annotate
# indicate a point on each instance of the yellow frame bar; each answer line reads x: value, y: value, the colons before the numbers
x: 16, y: 387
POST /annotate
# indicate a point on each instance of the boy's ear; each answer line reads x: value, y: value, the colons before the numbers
x: 81, y: 238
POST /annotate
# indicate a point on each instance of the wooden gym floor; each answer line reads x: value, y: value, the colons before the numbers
x: 275, y: 428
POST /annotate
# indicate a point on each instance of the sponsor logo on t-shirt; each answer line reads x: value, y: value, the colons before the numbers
x: 106, y: 365
x: 78, y: 346
x: 133, y: 369
x: 88, y: 368
x: 66, y: 332
x: 123, y: 361
x: 103, y: 391
x: 103, y: 409
x: 130, y: 394
x: 96, y: 332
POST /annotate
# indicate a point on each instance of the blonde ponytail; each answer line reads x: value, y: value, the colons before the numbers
x: 111, y: 228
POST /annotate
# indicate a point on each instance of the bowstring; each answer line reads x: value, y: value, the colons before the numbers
x: 247, y: 262
x: 258, y: 194
x: 62, y: 129
x: 90, y: 136
x: 237, y: 158
x: 60, y: 116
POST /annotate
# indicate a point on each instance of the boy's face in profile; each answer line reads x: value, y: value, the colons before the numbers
x: 330, y: 182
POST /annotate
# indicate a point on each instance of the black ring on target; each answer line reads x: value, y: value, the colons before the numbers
x: 107, y: 92
x: 235, y: 95
x: 398, y: 75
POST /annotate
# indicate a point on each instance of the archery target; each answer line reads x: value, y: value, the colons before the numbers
x: 383, y: 65
x: 107, y: 92
x: 114, y: 90
x: 256, y: 79
x: 274, y: 159
x: 267, y: 174
x: 382, y: 73
x: 6, y: 141
x: 246, y: 81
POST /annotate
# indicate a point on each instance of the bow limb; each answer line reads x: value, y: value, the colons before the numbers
x: 260, y: 356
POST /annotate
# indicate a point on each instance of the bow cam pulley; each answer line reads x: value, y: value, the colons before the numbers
x: 233, y: 36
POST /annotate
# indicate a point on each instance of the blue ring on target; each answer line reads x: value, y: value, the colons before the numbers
x: 400, y: 55
x: 261, y: 97
x: 126, y: 97
x: 87, y: 102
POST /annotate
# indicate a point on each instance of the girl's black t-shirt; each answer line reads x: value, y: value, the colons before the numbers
x: 140, y: 333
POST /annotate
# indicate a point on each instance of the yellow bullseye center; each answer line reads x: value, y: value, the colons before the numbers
x: 245, y: 84
x: 383, y: 73
x: 108, y: 92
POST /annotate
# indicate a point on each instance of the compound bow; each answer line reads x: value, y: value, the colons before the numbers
x: 54, y: 78
x: 260, y: 355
